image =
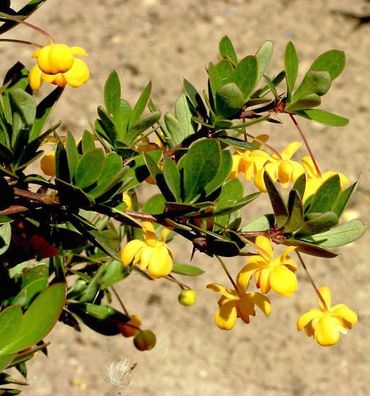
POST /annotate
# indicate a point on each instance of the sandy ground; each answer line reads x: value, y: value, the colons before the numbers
x: 166, y: 40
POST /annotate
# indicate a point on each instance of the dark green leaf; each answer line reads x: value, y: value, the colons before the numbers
x: 326, y: 195
x: 235, y: 142
x: 222, y: 173
x: 307, y: 102
x: 72, y: 155
x: 319, y: 222
x: 140, y: 105
x: 172, y: 178
x: 200, y: 166
x: 295, y: 209
x: 277, y: 202
x: 314, y: 82
x: 220, y: 74
x: 140, y: 126
x: 87, y: 142
x: 155, y: 204
x: 343, y: 199
x: 89, y: 168
x: 309, y: 248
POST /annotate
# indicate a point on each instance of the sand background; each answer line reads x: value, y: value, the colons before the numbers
x: 164, y: 41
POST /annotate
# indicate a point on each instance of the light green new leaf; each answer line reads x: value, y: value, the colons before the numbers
x: 220, y: 74
x: 5, y: 236
x: 186, y: 269
x: 140, y: 105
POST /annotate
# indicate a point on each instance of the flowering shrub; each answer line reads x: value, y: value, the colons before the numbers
x: 72, y: 231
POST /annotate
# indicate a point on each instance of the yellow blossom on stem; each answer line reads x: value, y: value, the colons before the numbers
x: 237, y: 303
x: 281, y: 167
x: 269, y: 273
x: 326, y: 323
x: 314, y: 181
x: 152, y: 254
x: 57, y: 64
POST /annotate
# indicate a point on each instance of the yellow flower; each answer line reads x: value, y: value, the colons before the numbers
x: 326, y: 323
x: 313, y: 181
x: 127, y: 200
x: 237, y: 303
x: 281, y: 168
x: 269, y: 273
x: 57, y: 64
x: 152, y: 254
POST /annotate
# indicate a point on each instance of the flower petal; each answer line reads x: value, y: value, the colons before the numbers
x: 307, y: 317
x: 226, y: 315
x: 246, y: 273
x: 290, y: 150
x: 78, y: 51
x: 265, y: 247
x: 326, y: 295
x: 160, y: 262
x: 78, y: 74
x: 262, y: 302
x: 326, y: 331
x: 341, y: 311
x: 283, y: 281
x: 129, y: 251
x: 245, y: 308
x: 228, y: 293
x: 35, y: 78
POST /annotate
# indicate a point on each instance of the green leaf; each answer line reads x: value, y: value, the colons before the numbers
x: 28, y: 292
x: 186, y: 269
x: 38, y: 320
x: 112, y: 94
x: 155, y: 204
x: 140, y: 126
x: 174, y: 128
x: 200, y: 166
x: 295, y: 209
x: 307, y: 102
x: 184, y: 116
x: 309, y: 248
x: 87, y: 142
x: 43, y: 111
x: 72, y: 154
x: 262, y: 223
x: 111, y: 174
x: 222, y: 173
x: 291, y: 67
x: 72, y: 195
x: 324, y: 117
x: 319, y: 222
x: 300, y: 185
x: 227, y: 50
x: 113, y: 273
x: 277, y: 202
x: 325, y: 196
x: 172, y: 178
x: 24, y: 110
x: 229, y: 100
x: 235, y: 142
x: 220, y: 74
x: 89, y: 168
x: 343, y: 199
x: 314, y: 82
x: 339, y: 236
x: 332, y: 61
x: 5, y: 237
x: 10, y: 321
x: 246, y: 75
x: 140, y: 105
x: 263, y: 56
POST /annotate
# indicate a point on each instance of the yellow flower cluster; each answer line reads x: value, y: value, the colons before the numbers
x: 151, y: 253
x: 269, y: 273
x: 57, y: 64
x: 281, y: 168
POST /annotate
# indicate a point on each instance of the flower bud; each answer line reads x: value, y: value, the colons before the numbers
x: 145, y: 340
x: 47, y: 163
x: 130, y: 328
x: 187, y: 297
